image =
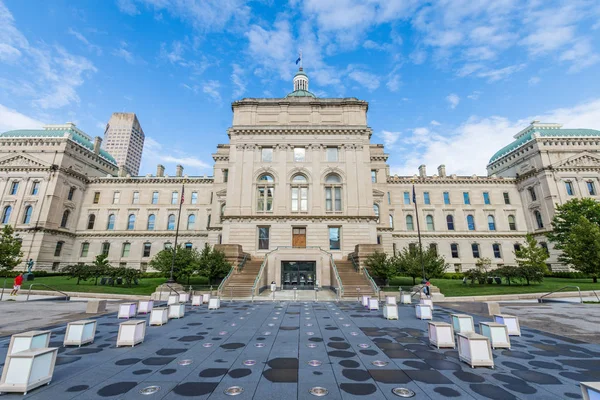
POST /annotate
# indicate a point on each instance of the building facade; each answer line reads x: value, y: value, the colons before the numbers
x: 124, y: 140
x: 299, y: 183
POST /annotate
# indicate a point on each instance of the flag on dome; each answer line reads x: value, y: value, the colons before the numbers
x: 299, y: 58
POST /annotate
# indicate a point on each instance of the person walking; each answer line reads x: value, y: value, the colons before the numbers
x: 17, y: 284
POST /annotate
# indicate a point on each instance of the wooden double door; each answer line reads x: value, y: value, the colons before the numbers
x: 299, y: 237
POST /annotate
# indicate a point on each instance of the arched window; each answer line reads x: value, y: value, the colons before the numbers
x: 450, y: 222
x: 91, y: 221
x: 131, y: 222
x: 391, y: 221
x: 111, y: 222
x: 6, y: 215
x: 376, y: 211
x: 265, y: 193
x: 191, y: 222
x: 333, y: 193
x: 491, y: 223
x: 512, y: 224
x: 65, y: 219
x: 470, y: 222
x: 71, y: 193
x: 223, y: 209
x: 151, y: 221
x: 299, y: 193
x: 538, y: 219
x: 171, y: 222
x: 429, y: 221
x: 410, y: 226
x: 27, y: 214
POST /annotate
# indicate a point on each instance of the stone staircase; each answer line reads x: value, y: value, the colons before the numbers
x: 352, y: 280
x: 240, y: 284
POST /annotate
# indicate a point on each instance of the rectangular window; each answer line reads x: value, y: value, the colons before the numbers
x: 334, y: 238
x: 446, y: 198
x: 126, y: 248
x: 143, y: 267
x: 263, y: 238
x: 374, y: 175
x: 85, y: 247
x: 14, y: 187
x: 532, y: 194
x: 105, y: 248
x: 486, y: 198
x: 496, y: 248
x: 475, y: 250
x: 333, y: 199
x: 194, y: 197
x: 299, y: 199
x: 517, y: 247
x: 36, y: 188
x: 389, y: 198
x: 267, y: 154
x: 569, y: 187
x: 466, y: 198
x: 154, y: 197
x: 188, y: 246
x: 167, y: 246
x: 299, y: 154
x: 96, y: 197
x: 174, y: 197
x: 116, y: 196
x: 225, y: 175
x: 426, y: 199
x: 136, y: 198
x: 454, y: 250
x: 506, y: 198
x: 332, y: 154
x: 123, y: 265
x: 147, y: 249
x: 406, y: 198
x: 412, y: 248
x: 433, y: 248
x: 58, y: 249
x: 591, y: 188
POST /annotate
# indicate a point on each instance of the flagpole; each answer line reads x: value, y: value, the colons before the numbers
x: 176, y: 235
x: 419, y: 234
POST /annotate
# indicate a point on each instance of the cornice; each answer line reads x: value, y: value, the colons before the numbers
x: 460, y: 180
x: 134, y: 234
x: 300, y: 217
x: 299, y: 130
x: 152, y: 180
x: 460, y: 235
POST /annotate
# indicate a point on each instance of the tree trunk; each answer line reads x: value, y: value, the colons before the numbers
x: 78, y: 280
x: 414, y: 281
x: 595, y: 279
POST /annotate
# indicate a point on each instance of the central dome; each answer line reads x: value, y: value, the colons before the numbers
x: 301, y: 85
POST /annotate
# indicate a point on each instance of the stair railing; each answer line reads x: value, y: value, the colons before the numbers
x: 340, y: 291
x: 255, y: 287
x: 354, y: 262
x: 540, y: 300
x: 231, y: 270
x: 67, y: 297
x: 371, y: 281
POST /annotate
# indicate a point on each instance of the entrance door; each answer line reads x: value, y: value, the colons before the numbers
x: 298, y: 274
x: 299, y: 237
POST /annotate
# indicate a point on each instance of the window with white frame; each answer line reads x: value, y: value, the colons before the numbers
x: 267, y: 154
x: 332, y: 154
x: 333, y: 193
x: 299, y: 154
x: 299, y: 189
x: 265, y: 192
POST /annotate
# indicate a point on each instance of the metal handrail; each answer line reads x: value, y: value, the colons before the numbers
x: 593, y: 291
x: 354, y: 263
x: 373, y: 284
x: 233, y: 268
x: 337, y: 275
x: 260, y: 272
x: 46, y: 286
x: 558, y: 290
x: 3, y: 287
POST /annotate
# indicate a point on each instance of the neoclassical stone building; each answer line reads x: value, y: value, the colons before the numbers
x: 299, y: 183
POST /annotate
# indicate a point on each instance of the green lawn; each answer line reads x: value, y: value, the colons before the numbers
x: 455, y: 287
x: 146, y: 286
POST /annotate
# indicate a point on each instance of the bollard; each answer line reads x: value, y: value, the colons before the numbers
x: 273, y: 295
x: 316, y: 294
x: 295, y: 289
x: 231, y: 300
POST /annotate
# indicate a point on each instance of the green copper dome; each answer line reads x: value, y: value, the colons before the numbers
x: 528, y: 137
x: 301, y: 93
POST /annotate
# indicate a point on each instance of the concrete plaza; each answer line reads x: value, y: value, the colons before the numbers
x: 262, y: 347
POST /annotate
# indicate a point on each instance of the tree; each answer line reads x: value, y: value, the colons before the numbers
x: 186, y: 263
x: 582, y: 247
x: 408, y: 262
x: 381, y: 266
x: 129, y: 275
x: 480, y: 272
x: 10, y: 250
x: 77, y: 271
x: 568, y: 235
x: 100, y: 267
x: 531, y: 260
x: 212, y: 264
x: 508, y: 272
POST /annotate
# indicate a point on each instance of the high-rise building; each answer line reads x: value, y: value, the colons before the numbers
x: 124, y: 140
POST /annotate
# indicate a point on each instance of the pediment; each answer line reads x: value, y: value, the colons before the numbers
x: 583, y: 160
x: 378, y: 193
x: 222, y: 193
x: 22, y: 160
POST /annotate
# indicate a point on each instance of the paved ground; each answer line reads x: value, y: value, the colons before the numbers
x: 539, y: 366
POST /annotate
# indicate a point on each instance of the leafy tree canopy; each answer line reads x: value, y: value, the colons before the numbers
x: 212, y: 264
x: 381, y: 266
x: 408, y: 263
x: 531, y: 260
x: 187, y: 262
x: 10, y: 250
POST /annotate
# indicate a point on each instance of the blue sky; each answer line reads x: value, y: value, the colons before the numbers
x: 448, y: 81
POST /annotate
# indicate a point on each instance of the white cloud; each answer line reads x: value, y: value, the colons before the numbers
x: 127, y: 7
x: 85, y: 41
x: 272, y: 49
x: 389, y: 138
x: 435, y: 123
x: 494, y: 75
x: 453, y: 100
x: 123, y: 53
x: 363, y: 78
x: 12, y: 41
x: 474, y: 96
x: 418, y: 57
x: 175, y: 55
x: 534, y: 80
x: 157, y: 153
x: 481, y: 137
x: 581, y: 55
x: 211, y: 88
x: 11, y: 119
x: 238, y: 81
